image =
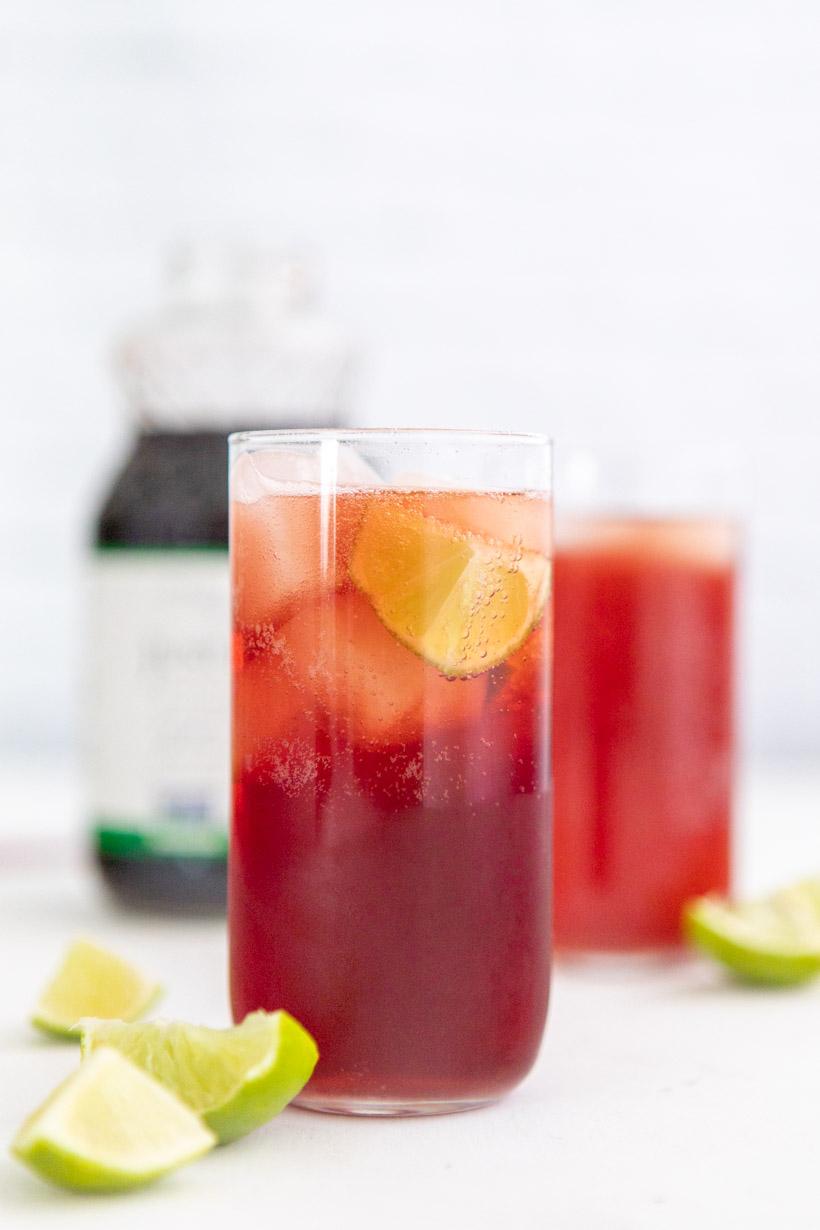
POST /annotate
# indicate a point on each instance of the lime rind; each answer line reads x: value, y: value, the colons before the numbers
x: 236, y: 1079
x: 92, y: 981
x: 269, y: 1088
x: 61, y: 1167
x: 774, y: 941
x: 110, y: 1127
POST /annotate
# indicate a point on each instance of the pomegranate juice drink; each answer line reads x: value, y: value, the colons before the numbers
x: 643, y: 713
x: 390, y: 858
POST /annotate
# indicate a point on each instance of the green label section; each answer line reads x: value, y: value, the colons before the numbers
x: 165, y: 841
x: 171, y: 550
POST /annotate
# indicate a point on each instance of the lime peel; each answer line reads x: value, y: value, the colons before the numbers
x: 109, y: 1127
x: 773, y: 941
x: 237, y: 1078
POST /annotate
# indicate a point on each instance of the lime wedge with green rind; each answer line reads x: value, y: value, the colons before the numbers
x: 110, y: 1127
x: 92, y: 981
x: 462, y: 602
x: 775, y: 940
x: 236, y: 1079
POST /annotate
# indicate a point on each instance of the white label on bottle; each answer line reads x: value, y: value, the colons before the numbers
x: 158, y: 703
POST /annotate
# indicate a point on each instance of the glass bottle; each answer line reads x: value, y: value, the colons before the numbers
x: 237, y: 342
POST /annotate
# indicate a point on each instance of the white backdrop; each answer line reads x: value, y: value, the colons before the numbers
x: 597, y: 219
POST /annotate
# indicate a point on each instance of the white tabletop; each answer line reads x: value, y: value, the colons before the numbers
x: 664, y: 1096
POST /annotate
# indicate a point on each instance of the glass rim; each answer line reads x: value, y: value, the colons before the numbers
x: 307, y: 435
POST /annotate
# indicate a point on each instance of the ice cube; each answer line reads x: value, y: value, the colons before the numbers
x: 277, y: 557
x: 289, y: 550
x: 525, y: 679
x: 277, y: 471
x: 519, y: 519
x: 364, y: 679
x: 375, y: 688
x: 270, y: 712
x: 451, y: 702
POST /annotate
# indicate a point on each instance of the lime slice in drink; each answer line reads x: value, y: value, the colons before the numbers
x: 236, y: 1079
x: 462, y: 602
x: 92, y: 982
x: 108, y: 1127
x: 775, y: 940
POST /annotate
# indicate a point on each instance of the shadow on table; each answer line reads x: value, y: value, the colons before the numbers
x: 25, y: 1035
x: 22, y: 1193
x: 713, y: 984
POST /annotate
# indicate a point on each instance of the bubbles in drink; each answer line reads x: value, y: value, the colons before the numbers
x: 390, y: 774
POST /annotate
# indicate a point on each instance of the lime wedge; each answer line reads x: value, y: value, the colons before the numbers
x: 775, y: 940
x: 109, y: 1127
x: 236, y: 1079
x: 462, y: 602
x: 92, y: 982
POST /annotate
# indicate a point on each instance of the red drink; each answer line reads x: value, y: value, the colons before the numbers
x: 389, y: 869
x: 643, y: 727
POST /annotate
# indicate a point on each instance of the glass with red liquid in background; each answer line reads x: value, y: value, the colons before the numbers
x: 643, y: 725
x: 389, y: 872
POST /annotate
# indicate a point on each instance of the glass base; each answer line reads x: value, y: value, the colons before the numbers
x: 386, y: 1109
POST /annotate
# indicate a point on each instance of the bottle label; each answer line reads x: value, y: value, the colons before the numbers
x: 158, y: 702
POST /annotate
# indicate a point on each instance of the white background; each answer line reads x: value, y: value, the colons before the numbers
x: 596, y: 219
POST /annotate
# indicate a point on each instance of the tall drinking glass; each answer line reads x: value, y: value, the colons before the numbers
x: 390, y: 848
x: 645, y: 586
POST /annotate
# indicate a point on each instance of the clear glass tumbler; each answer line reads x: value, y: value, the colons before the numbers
x: 389, y: 879
x: 645, y: 596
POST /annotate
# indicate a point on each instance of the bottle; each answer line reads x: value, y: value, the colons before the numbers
x: 238, y: 343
